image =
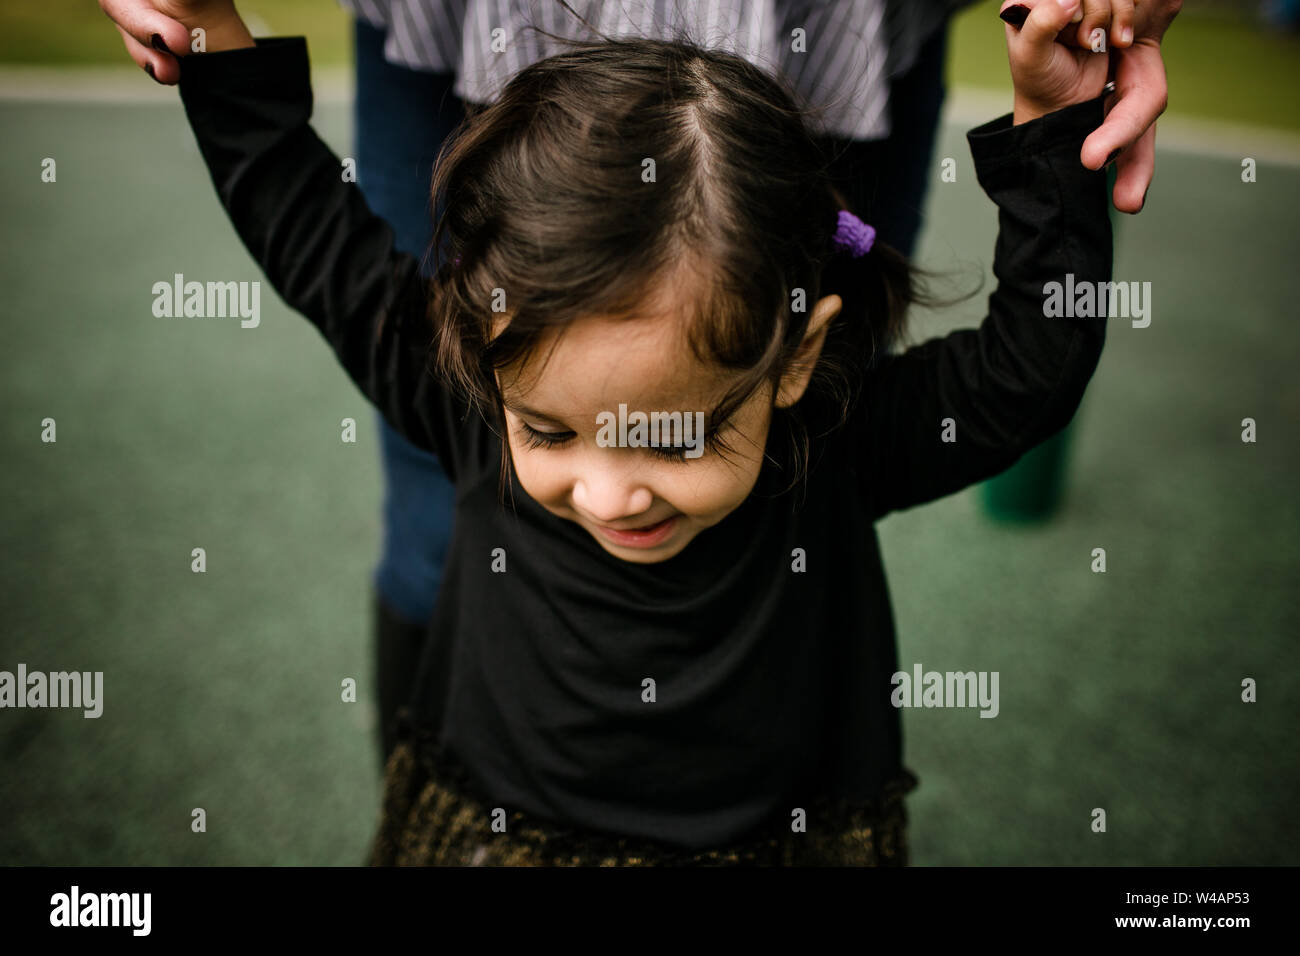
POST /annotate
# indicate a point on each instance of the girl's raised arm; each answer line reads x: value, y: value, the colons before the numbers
x: 956, y: 410
x: 962, y: 408
x: 324, y: 251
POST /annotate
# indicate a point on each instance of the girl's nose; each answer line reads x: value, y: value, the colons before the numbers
x: 606, y: 496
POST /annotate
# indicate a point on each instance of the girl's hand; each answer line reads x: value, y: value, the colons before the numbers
x: 156, y: 32
x: 1047, y: 75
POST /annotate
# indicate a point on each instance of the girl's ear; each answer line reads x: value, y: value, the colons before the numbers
x: 795, y: 380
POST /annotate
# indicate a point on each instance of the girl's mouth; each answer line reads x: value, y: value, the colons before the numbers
x: 646, y: 537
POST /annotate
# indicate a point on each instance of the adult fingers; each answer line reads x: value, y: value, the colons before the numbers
x: 1135, y: 169
x: 160, y: 66
x: 148, y: 27
x: 1143, y: 95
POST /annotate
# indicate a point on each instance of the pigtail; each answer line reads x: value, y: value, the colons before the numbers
x: 878, y: 289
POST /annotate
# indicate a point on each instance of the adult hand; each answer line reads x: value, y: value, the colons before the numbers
x: 1141, y: 95
x: 1141, y: 91
x: 156, y: 32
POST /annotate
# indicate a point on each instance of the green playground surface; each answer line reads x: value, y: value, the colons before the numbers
x: 1119, y: 691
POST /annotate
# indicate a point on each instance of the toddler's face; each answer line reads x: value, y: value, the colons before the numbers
x: 641, y: 504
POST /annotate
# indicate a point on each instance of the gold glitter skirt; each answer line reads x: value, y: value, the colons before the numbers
x: 431, y: 817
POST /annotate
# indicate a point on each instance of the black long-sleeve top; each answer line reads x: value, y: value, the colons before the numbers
x: 772, y: 684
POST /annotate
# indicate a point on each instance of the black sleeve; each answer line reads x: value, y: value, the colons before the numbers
x: 1019, y: 377
x: 327, y: 255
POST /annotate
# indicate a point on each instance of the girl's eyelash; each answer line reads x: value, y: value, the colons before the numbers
x: 677, y: 453
x: 539, y: 439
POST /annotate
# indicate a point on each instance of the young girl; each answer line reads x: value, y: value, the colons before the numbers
x: 676, y: 651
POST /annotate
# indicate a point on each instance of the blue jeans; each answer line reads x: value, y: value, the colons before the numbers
x: 401, y: 120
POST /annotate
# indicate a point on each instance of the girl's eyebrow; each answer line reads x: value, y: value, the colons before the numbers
x: 521, y: 409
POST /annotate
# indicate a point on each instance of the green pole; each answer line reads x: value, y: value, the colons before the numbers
x: 1032, y: 489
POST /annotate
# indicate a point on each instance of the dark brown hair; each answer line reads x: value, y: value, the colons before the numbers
x: 543, y: 197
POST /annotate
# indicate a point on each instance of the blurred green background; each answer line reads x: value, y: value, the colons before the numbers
x: 1118, y: 690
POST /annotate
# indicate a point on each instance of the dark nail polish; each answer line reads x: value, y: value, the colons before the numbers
x: 1144, y: 199
x: 1111, y: 158
x: 148, y: 68
x: 1016, y: 15
x: 156, y: 41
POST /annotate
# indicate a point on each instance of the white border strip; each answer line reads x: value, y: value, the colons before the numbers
x: 966, y: 107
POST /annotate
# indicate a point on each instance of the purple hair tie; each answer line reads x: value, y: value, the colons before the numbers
x: 853, y: 235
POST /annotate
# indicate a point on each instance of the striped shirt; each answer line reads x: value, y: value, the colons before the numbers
x: 838, y: 55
